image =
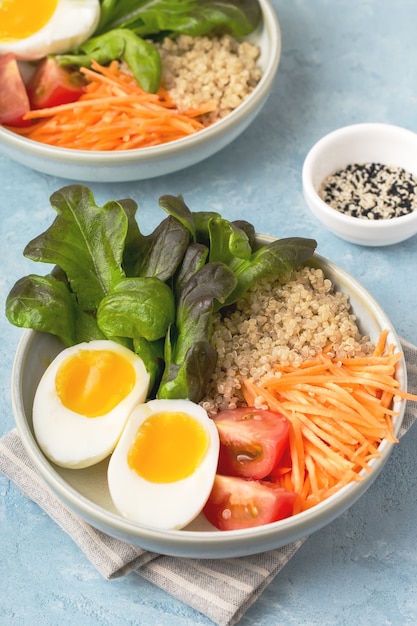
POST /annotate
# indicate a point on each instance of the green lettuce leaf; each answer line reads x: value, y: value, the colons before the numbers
x: 189, y: 356
x: 155, y: 294
x: 160, y: 253
x: 86, y: 241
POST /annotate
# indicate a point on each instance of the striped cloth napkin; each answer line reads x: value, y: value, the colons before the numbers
x: 221, y: 589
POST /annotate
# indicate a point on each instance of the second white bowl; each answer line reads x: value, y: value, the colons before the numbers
x: 360, y: 143
x: 143, y: 163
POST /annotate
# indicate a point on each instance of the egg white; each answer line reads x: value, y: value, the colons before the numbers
x: 162, y: 505
x: 73, y: 440
x: 71, y: 24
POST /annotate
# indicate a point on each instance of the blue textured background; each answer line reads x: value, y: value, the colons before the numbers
x: 342, y: 63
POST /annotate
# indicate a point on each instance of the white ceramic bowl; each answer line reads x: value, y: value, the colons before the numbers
x: 140, y: 164
x: 360, y: 143
x: 86, y: 493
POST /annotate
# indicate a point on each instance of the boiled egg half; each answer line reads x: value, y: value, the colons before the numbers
x: 32, y: 30
x: 162, y: 470
x: 84, y: 400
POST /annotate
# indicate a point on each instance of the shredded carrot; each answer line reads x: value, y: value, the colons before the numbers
x: 339, y: 410
x: 114, y: 113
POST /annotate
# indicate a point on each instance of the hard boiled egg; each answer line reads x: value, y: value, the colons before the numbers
x: 162, y: 470
x: 84, y: 400
x: 32, y: 30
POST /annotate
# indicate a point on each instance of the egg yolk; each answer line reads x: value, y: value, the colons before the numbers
x: 22, y: 18
x: 93, y: 382
x: 168, y: 446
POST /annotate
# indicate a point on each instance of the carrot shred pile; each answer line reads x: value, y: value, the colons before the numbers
x: 339, y: 411
x: 114, y: 113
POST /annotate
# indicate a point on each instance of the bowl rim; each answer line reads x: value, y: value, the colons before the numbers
x: 96, y: 158
x: 311, y: 193
x: 201, y: 543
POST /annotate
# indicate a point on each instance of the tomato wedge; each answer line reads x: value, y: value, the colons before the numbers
x: 252, y: 441
x: 236, y: 503
x: 51, y: 85
x: 14, y: 101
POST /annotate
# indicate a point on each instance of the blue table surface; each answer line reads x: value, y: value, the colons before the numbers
x: 342, y: 63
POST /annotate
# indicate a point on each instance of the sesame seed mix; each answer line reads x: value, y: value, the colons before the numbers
x: 371, y: 191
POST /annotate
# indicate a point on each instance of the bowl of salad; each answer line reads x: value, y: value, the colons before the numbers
x: 279, y: 380
x: 126, y: 92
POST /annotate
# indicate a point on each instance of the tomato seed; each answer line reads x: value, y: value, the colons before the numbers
x: 226, y: 514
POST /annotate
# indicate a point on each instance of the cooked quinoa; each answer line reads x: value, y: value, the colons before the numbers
x: 204, y: 69
x: 286, y: 321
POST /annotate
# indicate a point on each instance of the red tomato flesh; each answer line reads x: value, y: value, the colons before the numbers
x: 51, y: 85
x: 252, y: 441
x: 14, y: 101
x: 236, y: 503
x: 283, y: 467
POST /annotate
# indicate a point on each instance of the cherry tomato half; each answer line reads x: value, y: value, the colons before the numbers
x: 236, y: 503
x: 14, y: 101
x: 252, y: 441
x: 51, y: 85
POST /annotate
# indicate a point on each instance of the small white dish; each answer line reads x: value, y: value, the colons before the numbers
x: 360, y: 143
x: 143, y: 163
x: 86, y: 492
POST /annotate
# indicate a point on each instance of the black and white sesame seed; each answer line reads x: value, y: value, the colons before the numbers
x: 372, y: 191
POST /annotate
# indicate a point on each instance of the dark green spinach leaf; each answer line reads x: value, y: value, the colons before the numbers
x: 142, y: 57
x: 45, y: 304
x: 137, y: 307
x: 152, y: 354
x: 189, y: 17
